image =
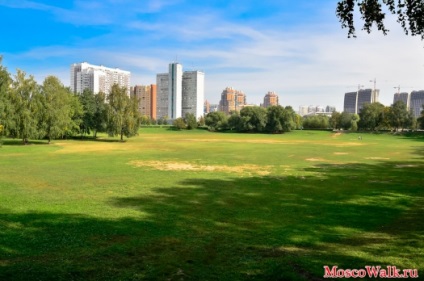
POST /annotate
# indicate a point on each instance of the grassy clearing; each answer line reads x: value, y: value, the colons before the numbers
x: 197, y: 205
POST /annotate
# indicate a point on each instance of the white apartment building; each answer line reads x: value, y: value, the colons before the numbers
x: 97, y: 78
x: 179, y: 93
x: 193, y: 93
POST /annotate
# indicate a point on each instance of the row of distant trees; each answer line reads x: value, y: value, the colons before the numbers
x: 372, y: 117
x: 50, y: 111
x: 274, y: 119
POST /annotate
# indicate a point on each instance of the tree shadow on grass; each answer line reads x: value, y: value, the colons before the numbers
x: 242, y: 228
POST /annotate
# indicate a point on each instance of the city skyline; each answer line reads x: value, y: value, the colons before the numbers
x: 295, y: 48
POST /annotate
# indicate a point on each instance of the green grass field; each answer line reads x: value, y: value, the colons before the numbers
x: 196, y: 205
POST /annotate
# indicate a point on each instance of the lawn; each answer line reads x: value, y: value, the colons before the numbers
x: 196, y: 205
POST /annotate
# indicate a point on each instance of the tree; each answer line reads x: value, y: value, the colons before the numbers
x: 191, y: 121
x: 179, y: 123
x: 410, y: 14
x: 253, y: 119
x: 281, y: 119
x: 56, y: 114
x: 100, y: 114
x: 316, y: 122
x: 123, y: 116
x: 371, y: 116
x: 399, y: 116
x: 235, y: 121
x: 335, y: 120
x: 216, y: 121
x: 421, y: 119
x: 201, y: 122
x: 24, y: 94
x: 88, y: 103
x: 5, y: 106
x: 345, y: 121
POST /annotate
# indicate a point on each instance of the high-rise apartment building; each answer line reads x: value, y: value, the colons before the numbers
x: 206, y: 107
x: 193, y: 93
x: 97, y: 78
x: 146, y: 96
x: 231, y: 100
x: 367, y: 96
x: 180, y: 92
x: 354, y: 101
x: 402, y: 97
x: 270, y: 99
x: 416, y: 102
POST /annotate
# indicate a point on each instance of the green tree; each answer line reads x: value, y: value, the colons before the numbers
x: 56, y: 114
x: 235, y: 121
x: 88, y: 103
x: 410, y: 15
x: 345, y: 121
x: 253, y: 119
x: 371, y: 116
x: 23, y: 95
x: 179, y: 123
x: 191, y: 121
x: 399, y: 116
x: 201, y: 122
x: 123, y: 115
x: 216, y: 121
x: 316, y: 122
x: 100, y: 114
x: 6, y: 109
x: 421, y: 119
x: 334, y: 120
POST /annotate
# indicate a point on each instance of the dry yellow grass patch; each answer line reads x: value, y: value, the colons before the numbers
x: 341, y: 153
x: 186, y: 166
x: 315, y: 159
x: 92, y: 146
x: 377, y: 158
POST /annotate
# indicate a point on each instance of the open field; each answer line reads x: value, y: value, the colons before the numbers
x: 196, y: 205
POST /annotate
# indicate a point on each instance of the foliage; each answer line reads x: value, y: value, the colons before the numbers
x: 56, y: 113
x: 316, y: 122
x: 280, y: 119
x: 410, y: 15
x: 100, y: 114
x: 421, y: 119
x: 191, y: 121
x: 5, y: 105
x: 399, y: 116
x: 253, y: 119
x: 88, y: 102
x: 345, y: 121
x: 123, y: 115
x: 201, y: 122
x: 27, y: 109
x: 372, y: 116
x: 234, y: 121
x: 216, y: 121
x: 334, y: 120
x: 179, y: 123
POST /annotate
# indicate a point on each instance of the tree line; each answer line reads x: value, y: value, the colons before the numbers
x: 274, y: 119
x: 51, y: 110
x: 371, y: 117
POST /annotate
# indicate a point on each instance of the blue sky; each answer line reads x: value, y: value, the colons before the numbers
x: 295, y: 48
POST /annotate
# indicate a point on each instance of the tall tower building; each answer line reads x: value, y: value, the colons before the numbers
x: 180, y: 92
x: 162, y: 95
x: 350, y: 102
x: 270, y: 99
x: 402, y: 97
x: 367, y: 96
x: 193, y: 93
x: 354, y: 101
x: 146, y: 96
x: 175, y: 90
x: 416, y: 102
x: 97, y: 78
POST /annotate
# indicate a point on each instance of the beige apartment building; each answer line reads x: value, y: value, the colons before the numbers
x: 232, y: 100
x: 146, y: 96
